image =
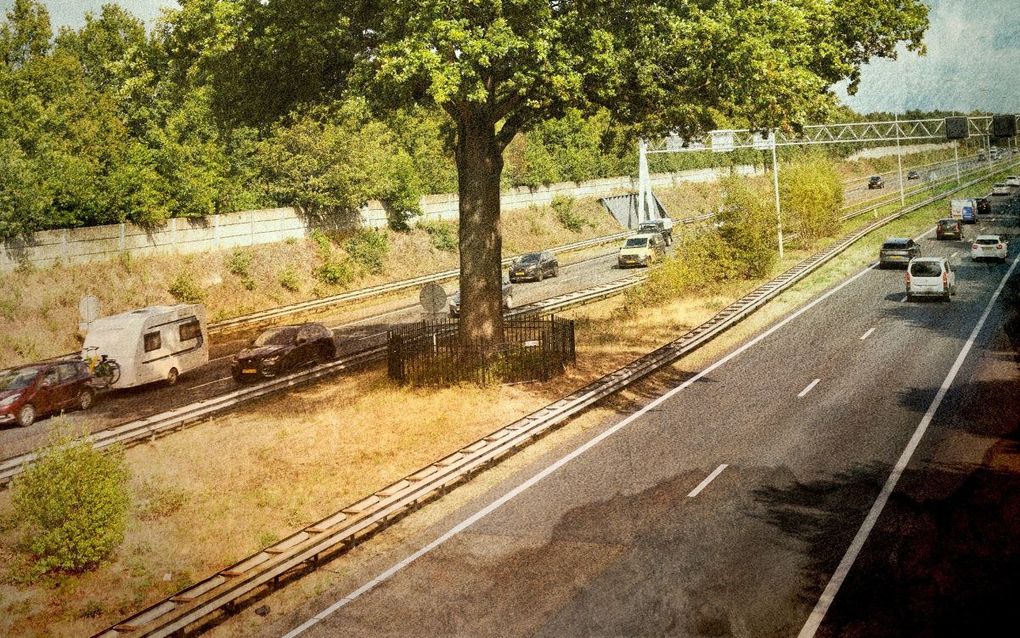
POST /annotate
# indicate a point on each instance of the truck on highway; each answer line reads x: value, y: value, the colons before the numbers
x: 964, y: 209
x: 662, y: 226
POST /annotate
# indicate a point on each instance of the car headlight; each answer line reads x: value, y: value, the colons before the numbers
x: 9, y: 400
x: 271, y: 361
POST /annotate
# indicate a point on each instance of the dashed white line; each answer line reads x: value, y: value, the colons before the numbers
x: 867, y: 334
x: 708, y: 479
x: 905, y: 297
x: 195, y: 387
x: 814, y: 620
x: 809, y: 387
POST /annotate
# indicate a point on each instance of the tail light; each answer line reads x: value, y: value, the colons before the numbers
x: 906, y: 278
x: 974, y: 246
x: 945, y: 280
x: 998, y: 246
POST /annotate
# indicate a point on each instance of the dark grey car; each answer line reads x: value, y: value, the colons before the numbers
x: 898, y: 251
x: 534, y: 266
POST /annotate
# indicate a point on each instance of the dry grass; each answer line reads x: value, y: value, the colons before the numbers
x: 214, y: 493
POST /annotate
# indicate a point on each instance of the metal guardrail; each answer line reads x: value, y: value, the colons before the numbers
x: 345, y: 528
x: 272, y: 314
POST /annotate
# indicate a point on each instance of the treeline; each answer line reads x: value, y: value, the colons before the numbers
x: 111, y: 123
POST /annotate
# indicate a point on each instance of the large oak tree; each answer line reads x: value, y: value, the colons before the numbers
x: 498, y: 67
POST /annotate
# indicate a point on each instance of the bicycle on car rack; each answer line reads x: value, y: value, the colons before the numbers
x: 104, y: 370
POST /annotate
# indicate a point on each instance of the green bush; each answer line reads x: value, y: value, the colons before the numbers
x: 748, y: 225
x: 289, y: 280
x: 811, y: 194
x: 700, y: 262
x: 443, y: 235
x: 322, y: 241
x: 239, y: 263
x: 335, y: 273
x: 72, y: 504
x: 367, y: 249
x: 185, y: 290
x: 564, y: 207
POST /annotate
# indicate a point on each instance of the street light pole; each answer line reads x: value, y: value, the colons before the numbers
x: 899, y: 158
x: 775, y: 187
x: 956, y: 154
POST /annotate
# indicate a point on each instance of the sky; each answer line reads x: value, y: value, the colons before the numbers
x: 973, y: 59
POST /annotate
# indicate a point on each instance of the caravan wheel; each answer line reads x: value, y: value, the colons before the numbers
x: 171, y: 377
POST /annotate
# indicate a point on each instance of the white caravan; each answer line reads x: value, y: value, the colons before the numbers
x: 158, y: 343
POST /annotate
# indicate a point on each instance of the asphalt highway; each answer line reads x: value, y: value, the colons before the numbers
x: 726, y: 506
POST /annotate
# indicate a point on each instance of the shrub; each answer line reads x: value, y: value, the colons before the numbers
x: 72, y: 504
x: 811, y: 195
x: 239, y: 263
x: 289, y: 280
x: 443, y: 235
x: 748, y: 224
x: 564, y: 207
x: 323, y: 242
x: 700, y: 262
x: 184, y: 289
x: 368, y: 248
x: 335, y: 273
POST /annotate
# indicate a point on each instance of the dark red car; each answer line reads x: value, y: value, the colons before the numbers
x: 28, y: 392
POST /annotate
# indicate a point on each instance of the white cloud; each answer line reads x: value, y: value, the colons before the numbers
x: 973, y: 62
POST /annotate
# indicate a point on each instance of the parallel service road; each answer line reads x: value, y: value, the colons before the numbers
x: 722, y: 509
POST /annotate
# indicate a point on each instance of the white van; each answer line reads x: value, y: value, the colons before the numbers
x: 930, y: 277
x: 158, y: 343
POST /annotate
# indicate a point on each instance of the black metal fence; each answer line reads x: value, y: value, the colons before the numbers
x: 433, y: 353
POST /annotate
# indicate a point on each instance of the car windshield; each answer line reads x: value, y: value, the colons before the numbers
x: 277, y: 337
x: 947, y: 223
x: 926, y: 269
x: 895, y: 244
x: 530, y: 258
x: 636, y: 242
x: 875, y: 178
x: 17, y: 379
x: 987, y: 241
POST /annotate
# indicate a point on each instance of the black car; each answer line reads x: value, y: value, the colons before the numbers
x: 876, y: 181
x: 284, y: 348
x: 948, y: 228
x: 984, y: 206
x: 913, y: 175
x: 536, y: 266
x: 508, y: 299
x: 898, y: 250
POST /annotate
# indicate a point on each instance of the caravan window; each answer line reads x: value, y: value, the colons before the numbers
x: 153, y: 342
x: 190, y: 330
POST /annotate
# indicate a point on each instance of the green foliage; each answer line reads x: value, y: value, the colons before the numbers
x: 72, y: 504
x: 185, y: 290
x: 700, y: 262
x: 239, y: 262
x: 336, y: 272
x: 443, y: 235
x: 367, y: 249
x: 748, y: 224
x: 289, y: 280
x: 564, y: 208
x: 811, y: 195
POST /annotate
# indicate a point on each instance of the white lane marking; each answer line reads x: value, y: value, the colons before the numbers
x: 526, y: 485
x: 829, y: 594
x: 905, y: 298
x: 809, y: 387
x: 708, y: 479
x: 195, y: 387
x: 867, y: 334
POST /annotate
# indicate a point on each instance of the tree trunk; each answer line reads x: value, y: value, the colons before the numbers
x: 479, y: 167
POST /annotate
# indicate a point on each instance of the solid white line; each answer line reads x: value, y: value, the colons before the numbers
x: 195, y: 387
x: 523, y: 487
x: 811, y: 385
x: 829, y: 594
x: 708, y: 479
x: 867, y: 334
x: 905, y: 297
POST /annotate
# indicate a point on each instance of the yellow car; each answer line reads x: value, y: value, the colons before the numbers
x: 641, y: 250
